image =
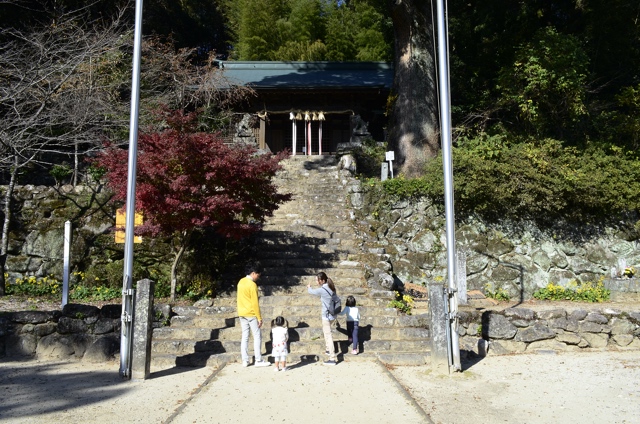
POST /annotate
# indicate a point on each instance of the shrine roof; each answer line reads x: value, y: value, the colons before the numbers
x: 308, y: 75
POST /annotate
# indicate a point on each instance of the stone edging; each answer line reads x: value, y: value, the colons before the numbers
x: 517, y: 330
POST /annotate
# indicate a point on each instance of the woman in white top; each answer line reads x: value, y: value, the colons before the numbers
x: 325, y: 291
x: 353, y: 319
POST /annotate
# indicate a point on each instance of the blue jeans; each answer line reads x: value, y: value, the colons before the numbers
x: 352, y: 331
x: 250, y: 323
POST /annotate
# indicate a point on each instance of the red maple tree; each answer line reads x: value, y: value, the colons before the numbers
x: 188, y: 180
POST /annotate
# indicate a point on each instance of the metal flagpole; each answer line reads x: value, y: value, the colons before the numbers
x: 127, y: 280
x: 445, y: 131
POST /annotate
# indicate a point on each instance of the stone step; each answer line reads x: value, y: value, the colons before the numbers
x: 308, y: 236
x: 317, y: 235
x: 323, y: 247
x: 302, y: 298
x: 297, y: 280
x: 324, y: 262
x: 303, y: 239
x: 335, y: 274
x: 330, y: 226
x: 343, y: 290
x: 207, y: 359
x: 311, y: 233
x: 310, y: 347
x: 309, y: 310
x: 323, y: 251
x: 304, y: 333
x: 331, y: 223
x: 219, y: 321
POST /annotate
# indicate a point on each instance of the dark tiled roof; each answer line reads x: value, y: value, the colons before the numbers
x: 309, y: 75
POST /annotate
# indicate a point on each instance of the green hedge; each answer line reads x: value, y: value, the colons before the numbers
x: 539, y: 180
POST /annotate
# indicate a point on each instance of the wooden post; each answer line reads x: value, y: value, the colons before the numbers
x: 263, y: 130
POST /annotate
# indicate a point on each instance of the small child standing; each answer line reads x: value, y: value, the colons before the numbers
x: 279, y: 338
x: 353, y: 319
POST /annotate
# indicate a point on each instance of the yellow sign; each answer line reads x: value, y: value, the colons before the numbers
x: 121, y: 219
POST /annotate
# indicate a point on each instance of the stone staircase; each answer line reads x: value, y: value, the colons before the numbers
x: 309, y: 234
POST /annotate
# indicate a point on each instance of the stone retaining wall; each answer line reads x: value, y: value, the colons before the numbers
x: 516, y: 330
x: 77, y: 332
x: 407, y: 241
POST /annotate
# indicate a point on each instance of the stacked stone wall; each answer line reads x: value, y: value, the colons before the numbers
x: 518, y: 258
x: 77, y: 332
x: 518, y: 330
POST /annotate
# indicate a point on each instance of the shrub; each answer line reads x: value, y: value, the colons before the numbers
x: 497, y: 294
x: 531, y: 180
x: 402, y: 302
x: 60, y: 172
x: 33, y: 286
x: 368, y: 157
x: 575, y: 291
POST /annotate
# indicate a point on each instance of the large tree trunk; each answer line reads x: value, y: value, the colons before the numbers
x: 4, y: 241
x: 413, y: 125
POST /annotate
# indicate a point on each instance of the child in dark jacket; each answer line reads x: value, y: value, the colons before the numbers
x: 353, y: 319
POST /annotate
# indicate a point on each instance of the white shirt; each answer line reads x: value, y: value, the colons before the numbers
x: 352, y: 313
x: 280, y: 336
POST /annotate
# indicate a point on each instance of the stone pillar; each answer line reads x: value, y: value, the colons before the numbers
x: 439, y: 323
x: 461, y: 277
x: 142, y: 330
x: 384, y: 171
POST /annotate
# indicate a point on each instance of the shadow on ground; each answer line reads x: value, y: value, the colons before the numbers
x: 35, y: 390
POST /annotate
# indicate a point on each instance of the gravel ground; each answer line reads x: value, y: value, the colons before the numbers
x: 590, y: 387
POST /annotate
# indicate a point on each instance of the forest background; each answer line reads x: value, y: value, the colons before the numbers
x: 545, y: 93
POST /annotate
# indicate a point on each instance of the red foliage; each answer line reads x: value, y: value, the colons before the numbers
x: 187, y: 179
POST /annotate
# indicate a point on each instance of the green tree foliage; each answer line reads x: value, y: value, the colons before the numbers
x: 196, y: 24
x: 572, y: 62
x: 544, y: 90
x: 310, y: 30
x: 360, y: 31
x: 621, y: 126
x: 256, y: 26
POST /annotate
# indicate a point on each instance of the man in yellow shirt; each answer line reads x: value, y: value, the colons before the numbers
x: 249, y: 314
